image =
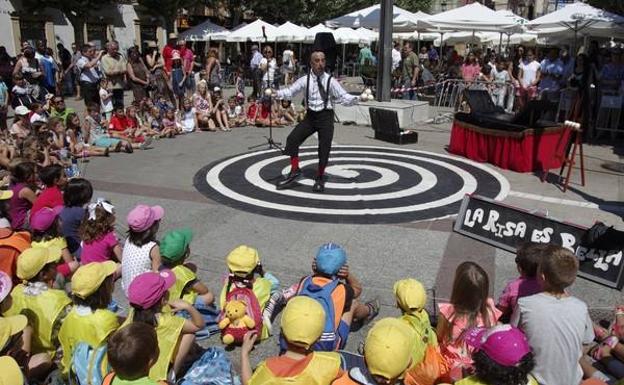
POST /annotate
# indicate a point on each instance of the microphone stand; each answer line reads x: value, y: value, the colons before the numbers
x: 269, y: 139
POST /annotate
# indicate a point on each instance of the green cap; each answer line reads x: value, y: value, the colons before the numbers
x: 175, y: 243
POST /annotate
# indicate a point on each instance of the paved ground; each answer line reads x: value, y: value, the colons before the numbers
x: 378, y: 254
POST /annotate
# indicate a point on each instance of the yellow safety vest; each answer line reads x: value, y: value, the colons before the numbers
x: 323, y: 369
x: 168, y: 331
x: 92, y: 329
x: 474, y: 380
x: 419, y: 322
x: 262, y: 289
x: 43, y: 312
x: 183, y: 275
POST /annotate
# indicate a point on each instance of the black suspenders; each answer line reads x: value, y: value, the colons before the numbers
x: 307, y: 96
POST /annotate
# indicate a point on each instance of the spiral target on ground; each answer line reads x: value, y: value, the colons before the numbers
x: 365, y: 184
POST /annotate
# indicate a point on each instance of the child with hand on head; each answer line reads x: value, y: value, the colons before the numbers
x: 470, y: 307
x: 147, y: 295
x: 132, y: 351
x: 78, y: 193
x: 46, y: 233
x: 45, y: 307
x: 175, y: 249
x: 501, y: 355
x: 141, y: 252
x: 23, y: 187
x: 54, y: 179
x: 97, y: 231
x: 527, y: 261
x: 553, y: 318
x: 89, y: 321
x: 302, y: 324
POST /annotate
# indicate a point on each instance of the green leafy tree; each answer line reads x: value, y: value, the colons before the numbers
x: 615, y: 6
x: 168, y: 9
x: 76, y: 11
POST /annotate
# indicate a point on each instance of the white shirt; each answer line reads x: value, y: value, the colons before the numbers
x: 315, y: 101
x: 106, y: 101
x: 89, y: 75
x: 271, y: 66
x: 529, y: 72
x: 136, y: 260
x: 287, y: 57
x: 396, y: 58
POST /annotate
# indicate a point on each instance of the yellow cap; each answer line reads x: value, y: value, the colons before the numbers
x: 10, y: 373
x: 32, y: 260
x: 243, y: 259
x: 88, y: 278
x: 5, y: 194
x: 303, y: 321
x: 410, y: 294
x: 10, y: 326
x: 388, y: 348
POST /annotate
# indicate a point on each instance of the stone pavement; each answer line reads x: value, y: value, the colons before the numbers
x: 378, y: 254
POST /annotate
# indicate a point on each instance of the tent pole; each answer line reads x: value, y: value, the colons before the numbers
x: 472, y: 42
x: 508, y: 40
x: 418, y: 42
x: 343, y: 59
x: 500, y: 43
x: 575, y: 33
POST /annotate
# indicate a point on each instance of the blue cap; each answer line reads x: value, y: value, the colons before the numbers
x: 330, y: 258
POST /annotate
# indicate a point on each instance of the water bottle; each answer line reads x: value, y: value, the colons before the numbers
x: 74, y: 168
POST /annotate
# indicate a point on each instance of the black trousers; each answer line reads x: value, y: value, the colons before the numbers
x: 321, y: 122
x: 118, y: 98
x: 90, y: 93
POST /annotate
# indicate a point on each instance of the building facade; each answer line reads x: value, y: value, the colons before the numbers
x: 122, y: 22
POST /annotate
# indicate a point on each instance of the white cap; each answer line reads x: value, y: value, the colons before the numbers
x: 216, y: 89
x: 21, y: 111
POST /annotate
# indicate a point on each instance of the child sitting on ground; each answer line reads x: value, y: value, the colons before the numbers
x: 119, y: 127
x: 287, y: 112
x: 44, y: 306
x: 89, y: 321
x: 147, y: 295
x: 302, y: 324
x: 97, y: 134
x: 268, y: 114
x: 188, y: 117
x: 97, y: 231
x: 235, y: 114
x: 47, y: 232
x: 78, y: 193
x: 470, y: 307
x: 527, y: 261
x: 553, y: 319
x: 23, y: 188
x: 54, y: 179
x: 132, y: 352
x: 141, y: 252
x: 175, y: 249
x: 502, y: 356
x: 219, y: 109
x: 77, y: 145
x: 252, y: 110
x: 170, y: 127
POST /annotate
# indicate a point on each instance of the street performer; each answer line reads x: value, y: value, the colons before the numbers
x: 321, y: 92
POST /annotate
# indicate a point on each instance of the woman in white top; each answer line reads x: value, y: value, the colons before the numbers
x: 268, y: 65
x: 288, y: 64
x: 528, y: 77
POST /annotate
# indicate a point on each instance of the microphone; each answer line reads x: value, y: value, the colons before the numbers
x: 264, y: 32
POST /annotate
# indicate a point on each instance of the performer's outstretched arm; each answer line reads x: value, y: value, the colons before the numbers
x: 341, y: 95
x: 294, y: 89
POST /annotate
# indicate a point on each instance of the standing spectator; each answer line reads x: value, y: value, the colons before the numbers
x: 138, y: 74
x: 89, y: 75
x: 411, y: 70
x: 268, y: 65
x: 551, y: 72
x: 6, y: 67
x: 65, y: 58
x: 74, y: 70
x: 423, y: 55
x: 29, y: 68
x: 167, y: 52
x: 528, y: 77
x: 433, y: 55
x: 256, y: 73
x: 114, y: 66
x: 4, y: 104
x: 48, y: 66
x: 288, y: 64
x: 213, y: 69
x: 471, y: 69
x: 365, y: 56
x: 188, y: 64
x: 396, y: 56
x: 158, y: 77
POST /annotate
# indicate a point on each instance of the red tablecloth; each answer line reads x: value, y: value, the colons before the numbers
x: 522, y: 151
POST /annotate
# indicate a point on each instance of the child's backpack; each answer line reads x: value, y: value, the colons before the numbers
x: 212, y: 368
x: 246, y: 295
x: 88, y: 366
x: 330, y: 340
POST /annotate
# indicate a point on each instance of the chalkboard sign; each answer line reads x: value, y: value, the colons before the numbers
x: 509, y: 227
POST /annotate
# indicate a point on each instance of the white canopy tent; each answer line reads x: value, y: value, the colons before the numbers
x: 578, y: 19
x: 348, y: 36
x: 471, y: 17
x: 402, y: 20
x: 314, y: 30
x: 367, y: 36
x: 205, y: 31
x: 253, y: 32
x: 292, y: 33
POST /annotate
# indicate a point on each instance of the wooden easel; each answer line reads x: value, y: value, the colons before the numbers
x: 566, y: 152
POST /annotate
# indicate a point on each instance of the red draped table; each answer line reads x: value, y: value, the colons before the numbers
x: 522, y: 151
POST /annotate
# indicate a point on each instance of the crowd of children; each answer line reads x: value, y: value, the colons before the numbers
x: 60, y: 259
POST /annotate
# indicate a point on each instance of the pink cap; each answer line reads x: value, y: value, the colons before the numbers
x: 147, y: 289
x: 43, y: 219
x: 504, y: 344
x: 142, y: 217
x: 5, y: 285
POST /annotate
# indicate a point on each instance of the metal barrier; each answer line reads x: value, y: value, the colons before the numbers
x: 449, y: 93
x: 609, y: 112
